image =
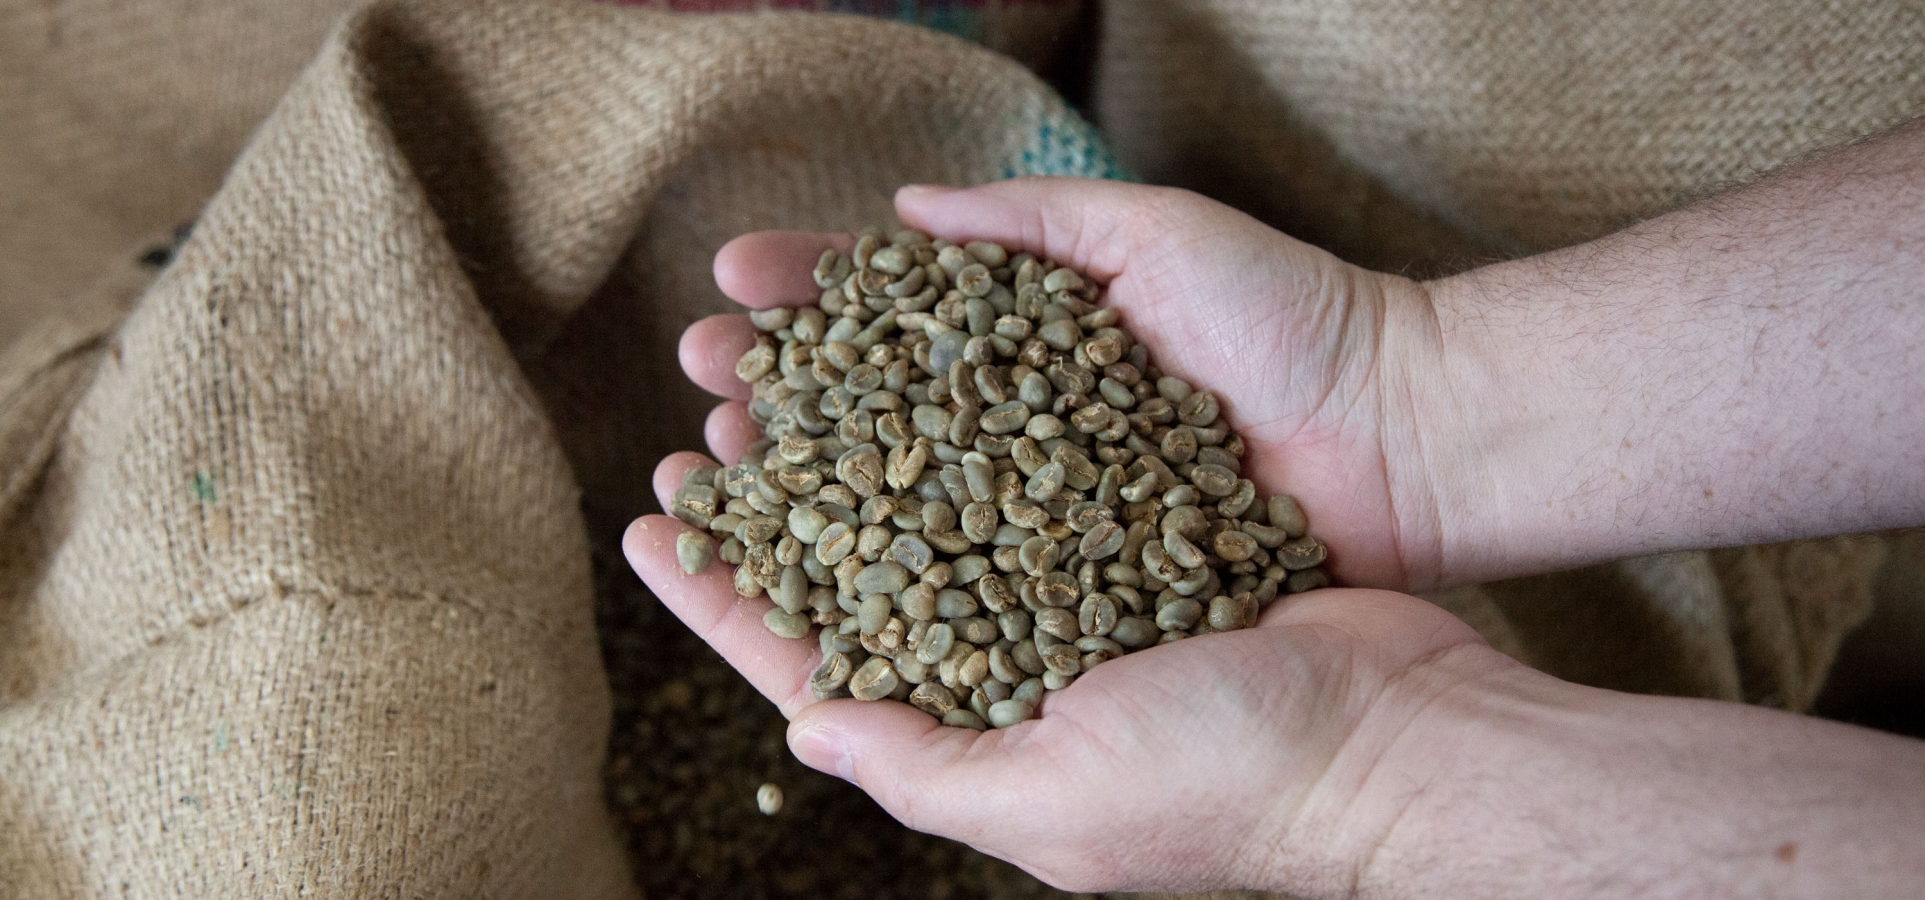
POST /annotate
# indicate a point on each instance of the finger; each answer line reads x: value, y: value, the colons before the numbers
x: 764, y: 269
x: 1088, y: 224
x: 709, y: 351
x: 729, y: 432
x: 929, y: 776
x: 706, y: 601
x: 672, y: 469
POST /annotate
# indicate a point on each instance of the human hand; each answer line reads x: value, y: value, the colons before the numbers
x: 1241, y: 759
x: 1315, y: 362
x: 1245, y: 734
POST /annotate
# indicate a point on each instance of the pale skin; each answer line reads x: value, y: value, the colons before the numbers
x: 1743, y: 370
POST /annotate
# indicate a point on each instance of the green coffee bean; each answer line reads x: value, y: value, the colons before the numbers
x: 1301, y: 553
x: 875, y: 680
x: 786, y: 624
x: 1010, y: 712
x: 693, y: 550
x: 1179, y: 615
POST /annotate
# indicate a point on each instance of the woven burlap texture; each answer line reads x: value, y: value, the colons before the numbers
x: 293, y: 578
x: 1424, y: 137
x: 292, y: 595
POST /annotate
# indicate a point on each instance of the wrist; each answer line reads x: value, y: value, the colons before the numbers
x: 1363, y: 809
x: 1516, y: 784
x: 1433, y: 384
x: 1501, y: 443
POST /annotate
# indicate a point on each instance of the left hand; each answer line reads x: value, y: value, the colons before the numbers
x: 1243, y: 759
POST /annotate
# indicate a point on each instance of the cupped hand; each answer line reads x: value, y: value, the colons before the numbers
x: 1314, y: 361
x: 1239, y: 759
x: 1251, y: 758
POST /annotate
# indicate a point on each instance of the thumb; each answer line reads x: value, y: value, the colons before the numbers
x: 930, y: 777
x: 1089, y: 224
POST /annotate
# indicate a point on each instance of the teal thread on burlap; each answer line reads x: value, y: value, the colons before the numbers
x: 1064, y: 144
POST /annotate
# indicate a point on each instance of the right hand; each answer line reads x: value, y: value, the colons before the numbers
x: 1315, y: 361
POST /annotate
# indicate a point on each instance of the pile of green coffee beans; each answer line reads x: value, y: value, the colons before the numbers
x: 980, y: 487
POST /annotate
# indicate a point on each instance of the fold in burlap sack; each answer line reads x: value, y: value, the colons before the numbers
x: 295, y: 584
x: 1422, y: 137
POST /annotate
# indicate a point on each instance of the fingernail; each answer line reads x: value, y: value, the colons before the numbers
x: 824, y: 751
x: 928, y: 190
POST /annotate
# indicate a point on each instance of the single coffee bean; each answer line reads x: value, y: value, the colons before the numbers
x: 1134, y: 632
x: 693, y: 550
x: 1058, y: 590
x: 1046, y: 483
x: 1240, y: 500
x: 975, y: 630
x: 963, y: 718
x: 874, y: 613
x: 912, y: 552
x: 1062, y: 658
x: 1026, y: 657
x: 1158, y: 564
x: 875, y: 680
x: 1214, y: 481
x: 979, y: 522
x: 1301, y: 553
x: 1030, y: 691
x: 1235, y: 546
x: 1193, y: 582
x: 1014, y: 624
x: 918, y: 601
x: 1002, y: 666
x: 1305, y: 580
x: 974, y: 669
x: 831, y: 675
x: 955, y: 604
x: 1180, y: 615
x: 1188, y: 521
x: 1140, y: 489
x: 1225, y: 614
x: 792, y: 590
x: 1010, y: 712
x: 1061, y: 280
x: 1060, y: 623
x: 886, y: 577
x: 835, y: 543
x: 768, y: 799
x: 1181, y: 551
x: 1039, y: 555
x: 936, y: 644
x: 1286, y: 514
x: 1098, y: 615
x: 1101, y: 541
x: 1198, y: 409
x: 931, y: 697
x: 786, y: 624
x: 994, y: 691
x: 966, y: 569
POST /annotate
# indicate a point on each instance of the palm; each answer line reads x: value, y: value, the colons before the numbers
x: 1287, y: 337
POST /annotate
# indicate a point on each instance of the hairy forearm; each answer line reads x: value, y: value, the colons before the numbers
x: 1528, y: 787
x: 1745, y: 370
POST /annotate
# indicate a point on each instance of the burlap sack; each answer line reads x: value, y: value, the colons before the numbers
x: 1423, y: 137
x: 293, y: 584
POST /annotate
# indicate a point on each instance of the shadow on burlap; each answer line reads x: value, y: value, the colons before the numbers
x: 295, y: 593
